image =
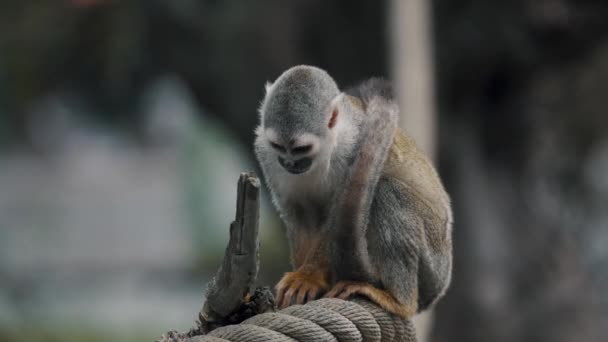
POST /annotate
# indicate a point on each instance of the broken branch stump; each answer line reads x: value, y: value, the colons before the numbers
x: 239, y: 269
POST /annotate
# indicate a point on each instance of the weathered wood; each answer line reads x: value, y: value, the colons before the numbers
x: 239, y: 269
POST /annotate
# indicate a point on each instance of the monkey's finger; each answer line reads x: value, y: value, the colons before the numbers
x: 289, y: 295
x: 349, y: 291
x: 301, y: 298
x: 335, y: 290
x: 280, y: 295
x: 332, y: 293
x: 279, y: 299
x: 345, y: 294
x: 286, y: 300
x: 285, y: 281
x: 313, y: 293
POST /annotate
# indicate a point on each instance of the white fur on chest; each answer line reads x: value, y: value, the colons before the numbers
x: 291, y: 187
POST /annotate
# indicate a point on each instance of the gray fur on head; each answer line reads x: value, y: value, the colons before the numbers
x: 298, y: 101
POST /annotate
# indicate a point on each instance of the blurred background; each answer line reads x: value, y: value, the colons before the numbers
x: 124, y: 126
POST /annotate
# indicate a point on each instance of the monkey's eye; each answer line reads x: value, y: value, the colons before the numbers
x: 302, y: 149
x: 277, y: 147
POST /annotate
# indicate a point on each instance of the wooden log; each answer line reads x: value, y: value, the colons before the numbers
x: 239, y: 270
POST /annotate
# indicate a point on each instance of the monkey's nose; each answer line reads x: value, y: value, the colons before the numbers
x: 286, y: 163
x: 296, y: 166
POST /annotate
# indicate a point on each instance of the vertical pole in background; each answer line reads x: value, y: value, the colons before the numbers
x: 412, y: 65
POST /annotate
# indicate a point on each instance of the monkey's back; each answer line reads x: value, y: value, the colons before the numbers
x: 407, y: 164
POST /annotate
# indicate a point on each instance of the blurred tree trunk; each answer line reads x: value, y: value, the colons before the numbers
x: 412, y: 70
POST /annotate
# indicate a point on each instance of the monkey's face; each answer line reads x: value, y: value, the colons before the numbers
x: 297, y: 154
x: 294, y: 136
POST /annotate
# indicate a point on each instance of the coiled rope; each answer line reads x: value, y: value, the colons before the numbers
x: 322, y: 320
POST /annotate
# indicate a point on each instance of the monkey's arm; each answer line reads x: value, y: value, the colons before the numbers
x: 310, y: 258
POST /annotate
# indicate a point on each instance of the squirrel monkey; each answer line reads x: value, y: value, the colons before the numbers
x: 365, y: 211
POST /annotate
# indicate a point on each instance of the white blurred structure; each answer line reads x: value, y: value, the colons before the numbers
x: 98, y: 231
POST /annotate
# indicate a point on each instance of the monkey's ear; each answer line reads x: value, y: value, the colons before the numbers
x: 334, y: 111
x: 268, y: 87
x: 333, y: 119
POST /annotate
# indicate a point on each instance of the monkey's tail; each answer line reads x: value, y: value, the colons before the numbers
x: 352, y: 215
x: 373, y: 88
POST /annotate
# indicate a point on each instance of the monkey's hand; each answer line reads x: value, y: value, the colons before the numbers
x: 347, y: 289
x: 300, y: 287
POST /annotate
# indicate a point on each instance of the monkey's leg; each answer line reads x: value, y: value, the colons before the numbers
x: 347, y: 289
x: 309, y: 280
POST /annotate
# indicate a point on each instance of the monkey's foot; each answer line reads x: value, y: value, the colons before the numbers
x: 300, y: 287
x: 347, y: 289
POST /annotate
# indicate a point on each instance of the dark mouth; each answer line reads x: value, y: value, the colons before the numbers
x: 296, y: 171
x: 296, y: 166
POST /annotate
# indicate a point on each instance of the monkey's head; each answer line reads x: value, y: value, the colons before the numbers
x: 300, y: 117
